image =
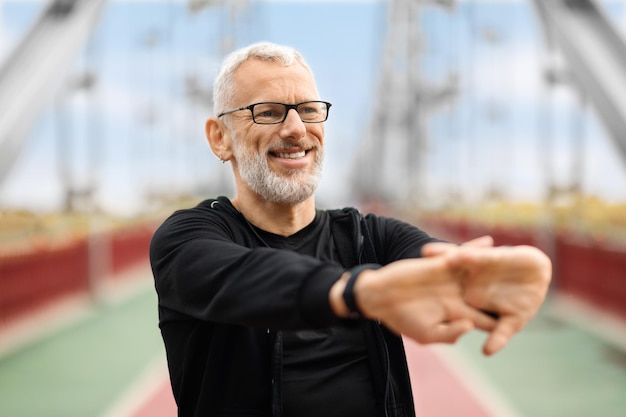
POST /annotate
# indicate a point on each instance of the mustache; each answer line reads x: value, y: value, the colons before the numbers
x: 289, y: 144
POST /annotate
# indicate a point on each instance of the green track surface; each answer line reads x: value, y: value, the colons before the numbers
x: 85, y: 367
x: 554, y: 369
x: 551, y: 369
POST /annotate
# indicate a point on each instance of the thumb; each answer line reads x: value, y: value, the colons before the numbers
x: 485, y: 241
x: 450, y: 332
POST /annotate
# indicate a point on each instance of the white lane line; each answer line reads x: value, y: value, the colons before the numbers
x: 475, y: 381
x: 141, y: 390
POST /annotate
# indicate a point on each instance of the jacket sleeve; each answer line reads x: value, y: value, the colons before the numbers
x: 201, y: 273
x: 394, y: 239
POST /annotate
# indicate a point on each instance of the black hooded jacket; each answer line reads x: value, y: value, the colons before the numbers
x: 224, y: 298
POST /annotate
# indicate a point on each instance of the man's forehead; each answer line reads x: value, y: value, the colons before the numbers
x: 256, y: 75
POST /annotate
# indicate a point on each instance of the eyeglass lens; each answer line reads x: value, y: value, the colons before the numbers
x: 311, y: 111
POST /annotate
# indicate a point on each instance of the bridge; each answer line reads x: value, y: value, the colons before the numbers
x: 112, y: 293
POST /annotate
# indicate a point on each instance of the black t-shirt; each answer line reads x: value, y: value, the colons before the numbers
x: 325, y: 371
x: 220, y: 289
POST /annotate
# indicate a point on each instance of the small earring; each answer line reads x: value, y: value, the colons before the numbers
x: 221, y: 159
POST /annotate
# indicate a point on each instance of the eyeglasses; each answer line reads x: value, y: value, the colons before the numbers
x: 269, y: 113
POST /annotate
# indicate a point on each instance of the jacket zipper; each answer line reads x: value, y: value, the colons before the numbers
x: 389, y: 398
x: 277, y: 365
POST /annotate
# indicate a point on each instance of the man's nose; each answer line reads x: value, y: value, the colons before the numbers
x: 293, y: 127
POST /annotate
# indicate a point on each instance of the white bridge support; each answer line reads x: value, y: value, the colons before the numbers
x: 596, y: 56
x: 36, y: 66
x: 390, y: 164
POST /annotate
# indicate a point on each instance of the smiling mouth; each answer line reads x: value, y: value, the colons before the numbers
x: 287, y: 149
x: 290, y: 155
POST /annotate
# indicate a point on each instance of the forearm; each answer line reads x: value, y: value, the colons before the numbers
x: 418, y: 298
x: 257, y: 287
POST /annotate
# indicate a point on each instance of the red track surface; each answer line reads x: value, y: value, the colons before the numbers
x: 159, y: 403
x: 437, y: 390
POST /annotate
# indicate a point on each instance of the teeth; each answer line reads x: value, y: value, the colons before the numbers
x: 291, y: 155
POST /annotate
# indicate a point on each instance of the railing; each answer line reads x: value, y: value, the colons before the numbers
x: 591, y: 270
x: 32, y: 278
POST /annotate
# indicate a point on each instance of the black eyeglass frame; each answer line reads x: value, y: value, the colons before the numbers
x: 287, y: 107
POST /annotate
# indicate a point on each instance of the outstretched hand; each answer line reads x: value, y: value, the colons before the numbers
x: 440, y: 297
x: 421, y: 299
x: 511, y: 280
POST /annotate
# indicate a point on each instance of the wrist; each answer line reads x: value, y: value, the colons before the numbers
x: 344, y: 295
x: 335, y: 296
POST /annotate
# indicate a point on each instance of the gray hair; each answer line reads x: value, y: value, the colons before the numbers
x: 223, y: 89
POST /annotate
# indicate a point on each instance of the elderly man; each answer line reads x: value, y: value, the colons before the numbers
x: 269, y: 306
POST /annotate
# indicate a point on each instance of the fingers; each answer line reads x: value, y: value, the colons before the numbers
x: 482, y: 241
x: 516, y: 259
x: 481, y: 320
x: 448, y: 332
x: 460, y: 319
x: 509, y: 282
x: 500, y: 336
x: 437, y: 248
x: 448, y: 327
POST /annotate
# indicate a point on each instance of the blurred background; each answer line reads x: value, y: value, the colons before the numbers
x: 464, y: 117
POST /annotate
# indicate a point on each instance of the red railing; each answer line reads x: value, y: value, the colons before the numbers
x: 31, y: 279
x: 130, y: 246
x: 36, y: 276
x: 591, y: 270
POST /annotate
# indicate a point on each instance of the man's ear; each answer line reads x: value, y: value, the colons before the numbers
x: 218, y: 138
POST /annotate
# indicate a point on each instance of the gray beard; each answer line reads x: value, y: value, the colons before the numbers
x: 293, y: 188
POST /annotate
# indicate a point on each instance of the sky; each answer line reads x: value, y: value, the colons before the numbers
x: 139, y: 132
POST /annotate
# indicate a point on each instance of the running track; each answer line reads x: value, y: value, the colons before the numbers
x: 440, y: 391
x: 112, y: 354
